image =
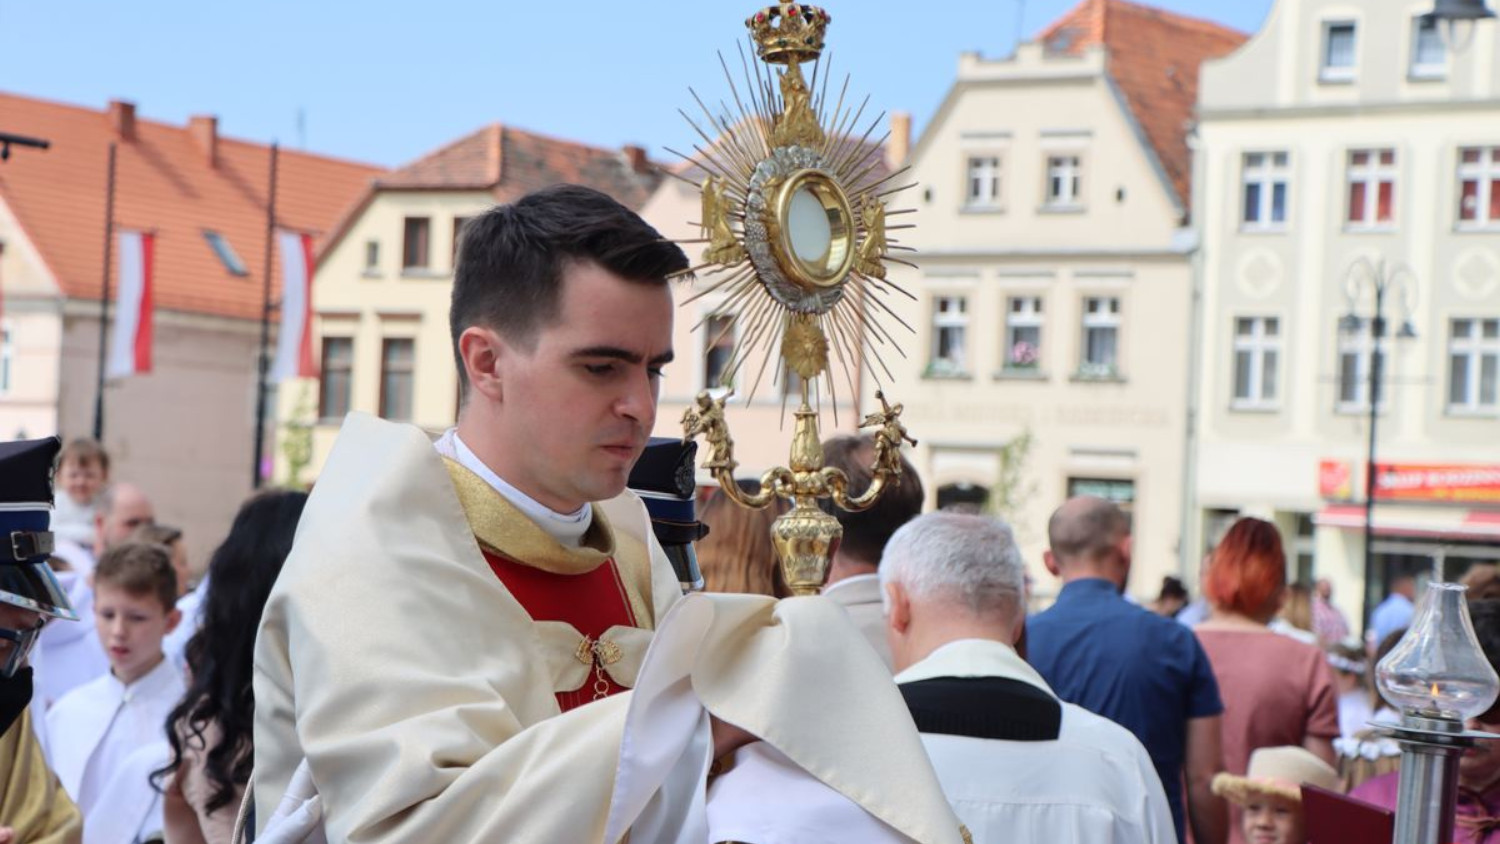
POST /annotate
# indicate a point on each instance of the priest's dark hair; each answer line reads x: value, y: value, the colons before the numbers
x: 221, y: 653
x: 511, y: 259
x: 867, y: 532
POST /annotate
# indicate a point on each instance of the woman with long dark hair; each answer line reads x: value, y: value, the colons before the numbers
x: 211, y: 729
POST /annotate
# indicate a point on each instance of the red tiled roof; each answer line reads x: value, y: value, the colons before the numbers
x: 511, y: 163
x: 164, y: 182
x: 1153, y: 56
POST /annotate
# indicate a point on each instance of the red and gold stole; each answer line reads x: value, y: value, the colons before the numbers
x: 593, y: 587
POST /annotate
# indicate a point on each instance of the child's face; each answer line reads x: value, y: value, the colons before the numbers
x: 1272, y: 820
x: 131, y: 628
x: 81, y: 480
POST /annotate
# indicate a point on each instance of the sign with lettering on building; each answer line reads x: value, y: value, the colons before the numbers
x: 1459, y: 483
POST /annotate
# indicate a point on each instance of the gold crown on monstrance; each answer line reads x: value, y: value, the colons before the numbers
x: 788, y: 32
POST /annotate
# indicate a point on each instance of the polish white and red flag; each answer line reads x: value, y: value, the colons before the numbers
x: 130, y: 347
x: 294, y: 351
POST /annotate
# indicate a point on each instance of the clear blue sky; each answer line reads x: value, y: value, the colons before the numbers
x: 385, y: 81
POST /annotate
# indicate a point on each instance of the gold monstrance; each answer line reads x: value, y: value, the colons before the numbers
x: 794, y: 218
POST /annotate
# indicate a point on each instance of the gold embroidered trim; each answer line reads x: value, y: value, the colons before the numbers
x: 499, y: 526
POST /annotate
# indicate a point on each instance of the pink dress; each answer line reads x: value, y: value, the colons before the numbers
x: 1476, y: 817
x: 1276, y: 690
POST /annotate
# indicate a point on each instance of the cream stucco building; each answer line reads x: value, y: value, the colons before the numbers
x: 1051, y: 344
x: 1346, y: 135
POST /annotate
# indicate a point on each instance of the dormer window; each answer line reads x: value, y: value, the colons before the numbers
x: 227, y: 256
x: 1338, y: 52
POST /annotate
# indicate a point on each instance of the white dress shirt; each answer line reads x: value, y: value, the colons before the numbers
x: 1093, y: 784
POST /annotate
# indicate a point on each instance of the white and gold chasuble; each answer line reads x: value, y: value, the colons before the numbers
x: 424, y: 697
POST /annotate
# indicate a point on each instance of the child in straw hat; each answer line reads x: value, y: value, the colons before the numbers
x: 1269, y: 796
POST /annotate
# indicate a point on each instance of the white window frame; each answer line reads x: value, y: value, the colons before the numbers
x: 1486, y: 172
x: 1029, y: 314
x: 1328, y: 72
x: 7, y: 357
x: 1357, y: 343
x: 1263, y: 341
x: 1372, y: 174
x: 1274, y: 168
x: 710, y: 333
x: 1476, y: 347
x: 1417, y: 69
x: 1105, y: 318
x: 951, y: 319
x: 1064, y: 186
x: 987, y: 167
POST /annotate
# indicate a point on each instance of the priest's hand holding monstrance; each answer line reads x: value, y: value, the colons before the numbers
x: 794, y: 218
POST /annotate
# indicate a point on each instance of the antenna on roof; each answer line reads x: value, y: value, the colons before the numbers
x: 301, y: 128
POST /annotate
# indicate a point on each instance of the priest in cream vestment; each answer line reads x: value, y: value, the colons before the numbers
x: 451, y: 643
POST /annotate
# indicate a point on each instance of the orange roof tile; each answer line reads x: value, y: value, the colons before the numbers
x: 1153, y: 56
x: 164, y: 182
x: 511, y: 163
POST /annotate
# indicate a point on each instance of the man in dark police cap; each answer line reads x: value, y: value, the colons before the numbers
x: 33, y: 807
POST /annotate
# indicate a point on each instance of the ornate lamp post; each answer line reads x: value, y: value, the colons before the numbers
x: 1381, y: 281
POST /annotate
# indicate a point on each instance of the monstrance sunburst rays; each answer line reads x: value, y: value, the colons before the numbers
x: 794, y: 221
x: 777, y: 131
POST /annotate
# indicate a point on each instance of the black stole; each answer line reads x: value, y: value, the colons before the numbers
x: 983, y: 707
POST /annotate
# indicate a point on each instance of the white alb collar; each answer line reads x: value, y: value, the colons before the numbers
x: 974, y: 658
x: 567, y: 528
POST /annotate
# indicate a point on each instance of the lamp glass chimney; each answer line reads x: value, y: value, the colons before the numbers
x: 1438, y: 670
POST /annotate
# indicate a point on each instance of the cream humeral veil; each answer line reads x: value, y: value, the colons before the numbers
x: 421, y: 695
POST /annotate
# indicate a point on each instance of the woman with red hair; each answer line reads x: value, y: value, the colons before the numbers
x: 1276, y: 690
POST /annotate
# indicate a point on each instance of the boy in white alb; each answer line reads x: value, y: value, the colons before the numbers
x: 93, y: 728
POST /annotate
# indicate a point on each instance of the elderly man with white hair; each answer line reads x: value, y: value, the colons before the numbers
x: 1016, y: 763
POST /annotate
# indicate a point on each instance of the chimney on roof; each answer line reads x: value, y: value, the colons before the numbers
x: 636, y: 157
x: 122, y: 119
x: 899, y: 145
x: 204, y: 129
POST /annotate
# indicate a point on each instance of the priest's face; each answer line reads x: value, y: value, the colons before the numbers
x: 574, y: 410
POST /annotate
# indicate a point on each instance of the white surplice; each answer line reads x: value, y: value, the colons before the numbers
x: 860, y: 597
x: 1094, y: 783
x: 97, y: 725
x: 68, y: 653
x: 129, y: 809
x: 191, y: 607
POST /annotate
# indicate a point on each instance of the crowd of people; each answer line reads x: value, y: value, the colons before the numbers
x: 143, y: 711
x: 440, y: 649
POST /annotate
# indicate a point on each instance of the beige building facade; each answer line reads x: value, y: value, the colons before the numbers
x: 1052, y: 292
x: 1345, y: 143
x: 382, y: 287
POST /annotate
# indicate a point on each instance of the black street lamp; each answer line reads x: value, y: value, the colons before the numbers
x: 1382, y: 281
x: 1456, y: 20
